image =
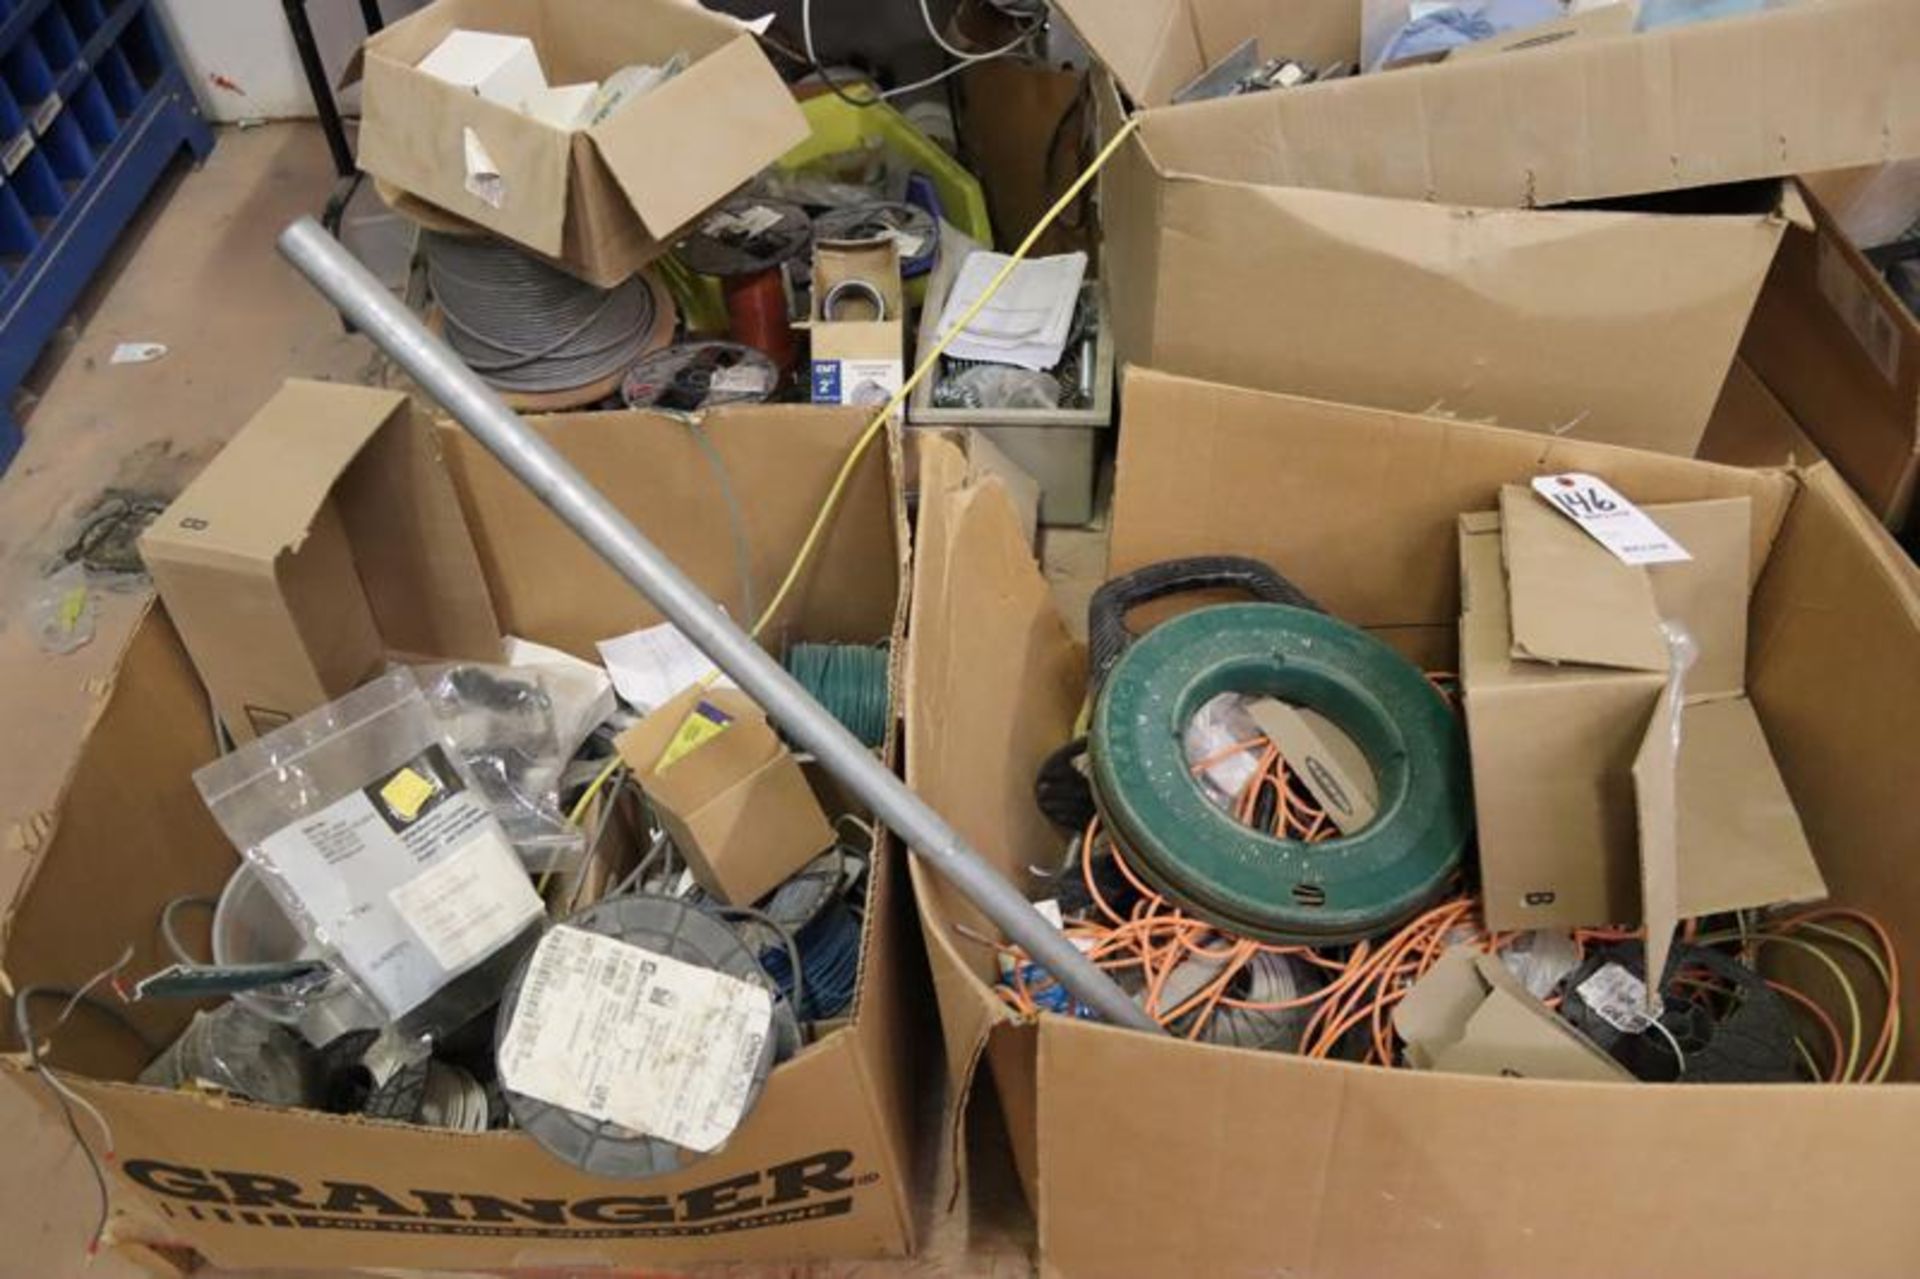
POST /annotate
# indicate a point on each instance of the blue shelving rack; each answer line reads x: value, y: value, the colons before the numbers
x: 93, y: 108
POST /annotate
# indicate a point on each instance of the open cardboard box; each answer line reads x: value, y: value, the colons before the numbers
x: 1147, y: 1156
x: 820, y: 1167
x: 1247, y: 240
x: 604, y: 200
x: 1834, y: 342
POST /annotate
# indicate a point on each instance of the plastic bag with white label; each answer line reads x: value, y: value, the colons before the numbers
x: 366, y: 826
x: 515, y: 729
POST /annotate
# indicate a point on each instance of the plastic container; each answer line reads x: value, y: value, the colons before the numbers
x: 249, y: 927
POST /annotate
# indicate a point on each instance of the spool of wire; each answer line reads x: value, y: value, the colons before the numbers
x: 829, y: 963
x: 527, y: 327
x: 746, y: 243
x: 694, y: 376
x: 908, y: 225
x: 851, y: 681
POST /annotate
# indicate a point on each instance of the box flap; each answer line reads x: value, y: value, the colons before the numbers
x: 1569, y: 599
x: 1709, y: 594
x: 1150, y: 47
x: 1789, y: 90
x: 1741, y: 839
x: 687, y: 143
x: 1471, y: 1016
x: 259, y: 495
x: 700, y: 775
x: 1656, y: 816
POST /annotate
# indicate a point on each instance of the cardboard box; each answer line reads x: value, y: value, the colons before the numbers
x: 1614, y: 326
x: 1150, y: 1156
x: 821, y: 1166
x: 858, y: 352
x: 324, y: 539
x: 737, y: 805
x: 1832, y: 340
x: 1562, y: 668
x: 1470, y: 1015
x: 604, y: 200
x: 1792, y: 89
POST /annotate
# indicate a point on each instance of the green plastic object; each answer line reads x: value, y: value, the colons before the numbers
x: 1357, y: 885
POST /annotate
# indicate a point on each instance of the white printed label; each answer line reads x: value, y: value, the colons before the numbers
x: 468, y: 902
x: 653, y: 666
x: 747, y: 222
x: 351, y: 865
x: 742, y: 379
x: 1859, y: 309
x: 1618, y: 998
x: 46, y: 113
x: 624, y: 1035
x: 137, y: 352
x: 16, y: 152
x: 1609, y: 518
x: 910, y: 244
x: 484, y: 181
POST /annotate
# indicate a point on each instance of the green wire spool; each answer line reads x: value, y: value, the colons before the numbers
x: 1358, y: 884
x: 851, y: 681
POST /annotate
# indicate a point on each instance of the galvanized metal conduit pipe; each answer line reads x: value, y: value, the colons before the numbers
x: 369, y: 307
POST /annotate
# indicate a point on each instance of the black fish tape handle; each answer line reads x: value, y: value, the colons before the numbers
x: 1107, y: 633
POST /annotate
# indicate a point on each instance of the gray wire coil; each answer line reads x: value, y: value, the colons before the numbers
x: 527, y: 327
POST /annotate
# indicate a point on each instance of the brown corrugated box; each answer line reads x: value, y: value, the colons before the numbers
x: 1833, y: 341
x: 1150, y: 1156
x: 819, y: 1168
x: 1258, y: 240
x: 604, y: 200
x: 324, y: 539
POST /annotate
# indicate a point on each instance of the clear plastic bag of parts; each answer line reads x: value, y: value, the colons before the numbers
x: 515, y: 728
x: 366, y: 826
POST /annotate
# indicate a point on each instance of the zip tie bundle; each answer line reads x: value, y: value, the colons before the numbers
x: 851, y: 681
x: 527, y: 327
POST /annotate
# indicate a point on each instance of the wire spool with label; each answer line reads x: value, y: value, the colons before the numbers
x: 908, y: 225
x: 543, y: 339
x: 746, y: 244
x: 680, y: 930
x: 692, y: 377
x: 1749, y: 1041
x: 1355, y: 885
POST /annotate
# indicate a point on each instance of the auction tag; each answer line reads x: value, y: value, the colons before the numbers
x: 1609, y: 518
x: 1618, y: 997
x: 624, y: 1035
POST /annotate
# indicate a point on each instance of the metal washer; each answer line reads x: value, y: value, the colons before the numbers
x: 670, y: 927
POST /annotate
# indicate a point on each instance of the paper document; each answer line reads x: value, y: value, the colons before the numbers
x: 649, y: 667
x: 1026, y: 323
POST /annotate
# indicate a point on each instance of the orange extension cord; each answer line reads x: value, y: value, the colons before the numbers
x: 1352, y: 1013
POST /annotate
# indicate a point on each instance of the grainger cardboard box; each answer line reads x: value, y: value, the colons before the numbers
x: 603, y: 200
x: 1251, y: 244
x: 818, y: 1169
x: 1832, y: 340
x: 1150, y: 1157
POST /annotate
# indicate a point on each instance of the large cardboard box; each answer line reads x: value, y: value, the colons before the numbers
x: 1834, y: 342
x: 323, y: 540
x: 603, y: 200
x: 1151, y: 1156
x: 1234, y: 258
x: 820, y: 1168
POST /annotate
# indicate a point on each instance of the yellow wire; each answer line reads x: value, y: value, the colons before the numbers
x: 880, y: 419
x: 579, y: 809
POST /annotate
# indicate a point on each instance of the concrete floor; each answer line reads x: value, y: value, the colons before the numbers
x: 200, y: 275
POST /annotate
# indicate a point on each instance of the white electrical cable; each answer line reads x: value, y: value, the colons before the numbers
x: 965, y: 59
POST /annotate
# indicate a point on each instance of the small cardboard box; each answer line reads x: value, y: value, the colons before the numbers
x: 323, y: 539
x: 859, y: 354
x: 1562, y: 669
x: 822, y: 1167
x: 1247, y: 240
x: 1407, y: 1173
x: 737, y: 805
x: 1470, y: 1015
x: 602, y: 200
x: 1834, y: 342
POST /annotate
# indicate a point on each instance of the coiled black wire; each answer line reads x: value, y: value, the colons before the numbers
x: 528, y: 327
